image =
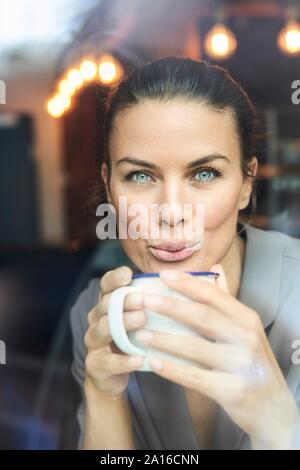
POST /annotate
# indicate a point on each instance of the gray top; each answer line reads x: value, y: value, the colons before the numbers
x: 158, y: 407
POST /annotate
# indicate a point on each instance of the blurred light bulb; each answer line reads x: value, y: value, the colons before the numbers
x: 66, y: 87
x: 220, y: 42
x: 65, y: 101
x: 57, y: 105
x: 54, y: 108
x: 109, y: 69
x: 88, y: 70
x: 75, y: 78
x: 288, y: 39
x: 107, y: 72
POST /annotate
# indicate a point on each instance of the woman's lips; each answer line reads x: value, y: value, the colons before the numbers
x: 172, y: 251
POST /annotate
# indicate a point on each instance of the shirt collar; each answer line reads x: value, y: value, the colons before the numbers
x: 260, y: 280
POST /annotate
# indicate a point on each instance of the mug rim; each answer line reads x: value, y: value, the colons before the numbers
x: 194, y: 273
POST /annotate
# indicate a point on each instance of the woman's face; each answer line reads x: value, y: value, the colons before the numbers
x: 178, y: 153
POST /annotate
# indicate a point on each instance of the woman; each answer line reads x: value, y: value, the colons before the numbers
x: 180, y: 131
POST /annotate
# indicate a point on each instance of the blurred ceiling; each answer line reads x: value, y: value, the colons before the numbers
x: 53, y: 34
x: 149, y: 28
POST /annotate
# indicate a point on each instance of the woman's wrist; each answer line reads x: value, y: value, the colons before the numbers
x: 107, y: 420
x: 92, y: 392
x: 285, y: 437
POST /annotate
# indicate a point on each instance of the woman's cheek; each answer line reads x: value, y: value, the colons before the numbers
x: 219, y: 206
x: 134, y: 217
x: 133, y: 196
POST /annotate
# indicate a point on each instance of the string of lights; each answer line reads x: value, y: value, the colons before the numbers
x: 219, y: 44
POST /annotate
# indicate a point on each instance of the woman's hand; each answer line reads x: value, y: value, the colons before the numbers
x: 241, y: 373
x: 107, y: 367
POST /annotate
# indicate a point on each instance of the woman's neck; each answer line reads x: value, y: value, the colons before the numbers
x: 233, y: 263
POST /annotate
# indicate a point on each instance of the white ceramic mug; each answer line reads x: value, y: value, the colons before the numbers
x: 149, y: 283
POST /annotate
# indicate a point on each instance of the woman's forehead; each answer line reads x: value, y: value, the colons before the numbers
x: 176, y: 126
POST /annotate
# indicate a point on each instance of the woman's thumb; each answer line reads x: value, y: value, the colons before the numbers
x: 221, y: 280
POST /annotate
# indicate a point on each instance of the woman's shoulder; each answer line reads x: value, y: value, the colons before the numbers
x: 85, y: 301
x: 289, y: 245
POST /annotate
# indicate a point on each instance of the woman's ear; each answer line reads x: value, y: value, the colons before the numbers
x: 104, y: 175
x: 248, y: 184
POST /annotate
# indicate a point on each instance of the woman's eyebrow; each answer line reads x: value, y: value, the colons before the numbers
x: 207, y: 159
x: 192, y: 164
x: 137, y: 161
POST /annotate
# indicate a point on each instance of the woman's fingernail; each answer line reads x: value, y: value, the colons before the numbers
x: 144, y: 336
x: 155, y: 364
x: 169, y: 275
x: 152, y: 301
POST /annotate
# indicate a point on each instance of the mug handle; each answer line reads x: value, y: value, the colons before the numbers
x: 116, y: 320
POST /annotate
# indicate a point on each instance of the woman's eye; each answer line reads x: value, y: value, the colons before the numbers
x: 206, y: 175
x: 138, y: 177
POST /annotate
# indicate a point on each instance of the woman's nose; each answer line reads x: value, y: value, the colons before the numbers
x: 172, y: 214
x: 172, y: 204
